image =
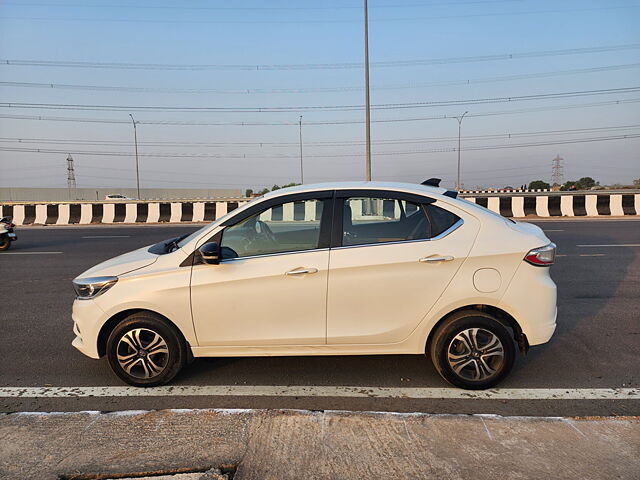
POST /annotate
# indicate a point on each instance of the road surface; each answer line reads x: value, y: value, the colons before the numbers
x: 595, y: 348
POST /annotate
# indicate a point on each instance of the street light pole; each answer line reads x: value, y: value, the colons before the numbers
x: 366, y: 89
x: 301, y: 164
x: 135, y: 139
x: 459, y: 135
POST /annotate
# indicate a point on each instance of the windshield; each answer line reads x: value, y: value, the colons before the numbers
x: 191, y: 236
x: 195, y: 234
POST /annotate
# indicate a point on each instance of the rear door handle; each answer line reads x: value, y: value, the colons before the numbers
x: 435, y: 259
x: 301, y: 271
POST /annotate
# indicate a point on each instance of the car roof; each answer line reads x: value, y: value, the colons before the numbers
x: 354, y: 185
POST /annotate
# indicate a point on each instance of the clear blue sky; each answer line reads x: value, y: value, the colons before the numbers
x: 302, y: 33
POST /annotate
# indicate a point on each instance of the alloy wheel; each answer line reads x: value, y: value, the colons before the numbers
x: 475, y: 354
x: 142, y: 353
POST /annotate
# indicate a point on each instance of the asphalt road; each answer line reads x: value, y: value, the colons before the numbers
x: 596, y: 345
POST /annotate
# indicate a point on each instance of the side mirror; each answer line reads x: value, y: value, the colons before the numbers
x: 210, y: 253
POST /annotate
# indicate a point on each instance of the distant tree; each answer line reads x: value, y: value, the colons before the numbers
x: 538, y: 184
x: 570, y: 185
x: 585, y: 183
x: 636, y: 182
x: 248, y: 192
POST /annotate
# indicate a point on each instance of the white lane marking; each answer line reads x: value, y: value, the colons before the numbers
x: 107, y: 236
x: 29, y: 253
x: 560, y: 255
x: 592, y: 254
x: 325, y: 391
x: 612, y: 245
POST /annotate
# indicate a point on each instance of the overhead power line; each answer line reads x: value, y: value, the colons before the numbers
x: 246, y: 91
x: 333, y: 108
x: 354, y: 155
x: 191, y: 123
x: 384, y: 19
x: 493, y: 136
x: 133, y: 6
x: 320, y: 66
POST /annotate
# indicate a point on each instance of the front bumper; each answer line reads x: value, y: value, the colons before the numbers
x: 88, y: 318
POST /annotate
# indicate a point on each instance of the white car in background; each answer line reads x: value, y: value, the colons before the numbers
x: 117, y: 196
x: 361, y: 268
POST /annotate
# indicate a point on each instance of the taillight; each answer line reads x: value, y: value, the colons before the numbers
x: 542, y: 256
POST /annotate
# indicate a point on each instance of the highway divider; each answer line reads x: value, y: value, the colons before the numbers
x: 509, y: 205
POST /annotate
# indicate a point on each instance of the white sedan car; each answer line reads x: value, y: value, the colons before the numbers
x: 363, y: 268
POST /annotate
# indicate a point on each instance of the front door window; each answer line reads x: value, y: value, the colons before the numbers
x: 287, y: 227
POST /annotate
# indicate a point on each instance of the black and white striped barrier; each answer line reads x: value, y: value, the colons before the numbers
x: 88, y: 213
x: 565, y: 205
x: 537, y: 190
x: 568, y: 205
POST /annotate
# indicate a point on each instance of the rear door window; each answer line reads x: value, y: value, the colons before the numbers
x: 374, y: 220
x: 440, y: 219
x: 371, y: 220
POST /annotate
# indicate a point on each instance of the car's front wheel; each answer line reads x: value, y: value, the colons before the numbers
x: 144, y: 350
x: 5, y: 242
x: 473, y: 350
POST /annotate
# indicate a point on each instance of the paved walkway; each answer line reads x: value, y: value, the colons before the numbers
x: 294, y: 444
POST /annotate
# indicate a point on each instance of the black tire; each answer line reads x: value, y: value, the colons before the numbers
x: 5, y: 243
x: 132, y: 362
x: 483, y: 365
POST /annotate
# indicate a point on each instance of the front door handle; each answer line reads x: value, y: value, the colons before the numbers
x: 301, y: 271
x: 437, y: 258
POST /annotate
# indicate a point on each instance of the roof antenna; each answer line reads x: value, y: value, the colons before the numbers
x: 432, y: 182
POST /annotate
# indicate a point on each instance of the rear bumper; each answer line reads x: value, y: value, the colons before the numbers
x: 531, y: 300
x: 542, y: 332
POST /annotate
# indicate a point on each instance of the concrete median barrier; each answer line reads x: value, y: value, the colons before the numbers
x: 115, y: 213
x: 508, y: 204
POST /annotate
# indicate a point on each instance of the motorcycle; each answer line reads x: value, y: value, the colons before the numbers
x: 7, y: 235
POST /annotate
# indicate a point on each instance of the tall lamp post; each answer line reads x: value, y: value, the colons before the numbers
x: 459, y: 119
x: 301, y: 164
x: 135, y: 139
x: 366, y: 90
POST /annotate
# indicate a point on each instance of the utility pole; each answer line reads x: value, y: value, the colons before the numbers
x: 556, y: 171
x: 71, y: 178
x: 301, y: 164
x: 366, y: 90
x: 135, y: 139
x: 459, y: 119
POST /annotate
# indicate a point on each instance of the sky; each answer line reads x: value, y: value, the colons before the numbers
x: 217, y: 90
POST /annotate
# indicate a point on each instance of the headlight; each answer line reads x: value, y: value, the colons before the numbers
x: 91, y: 287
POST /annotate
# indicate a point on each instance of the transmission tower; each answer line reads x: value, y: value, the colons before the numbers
x: 556, y: 171
x: 71, y: 178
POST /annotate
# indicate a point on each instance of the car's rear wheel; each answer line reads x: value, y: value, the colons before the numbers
x: 145, y: 350
x: 473, y: 350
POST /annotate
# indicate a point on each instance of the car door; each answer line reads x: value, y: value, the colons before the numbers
x: 270, y: 287
x: 393, y: 257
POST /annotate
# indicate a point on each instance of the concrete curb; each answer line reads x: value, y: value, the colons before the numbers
x: 294, y: 444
